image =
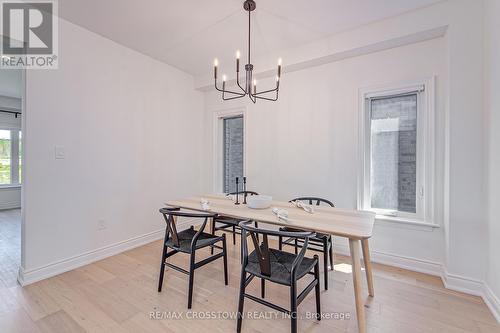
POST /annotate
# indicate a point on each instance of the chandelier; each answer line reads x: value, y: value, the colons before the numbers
x: 250, y: 85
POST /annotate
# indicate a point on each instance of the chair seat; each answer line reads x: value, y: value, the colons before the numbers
x: 281, y: 264
x: 186, y: 236
x: 318, y: 237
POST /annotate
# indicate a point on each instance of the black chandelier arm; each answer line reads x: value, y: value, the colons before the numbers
x: 231, y: 92
x: 223, y: 90
x: 256, y: 95
x: 230, y: 98
x: 238, y: 82
x: 268, y: 99
x: 266, y: 91
x: 252, y: 98
x: 217, y: 88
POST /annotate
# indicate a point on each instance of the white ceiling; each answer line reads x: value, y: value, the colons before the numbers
x: 188, y: 34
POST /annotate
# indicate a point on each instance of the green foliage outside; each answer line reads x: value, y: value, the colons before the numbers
x: 5, y: 151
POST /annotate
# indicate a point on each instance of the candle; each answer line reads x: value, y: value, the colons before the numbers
x: 238, y: 61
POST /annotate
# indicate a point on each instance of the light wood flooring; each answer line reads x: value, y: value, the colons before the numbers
x: 10, y: 247
x: 119, y: 293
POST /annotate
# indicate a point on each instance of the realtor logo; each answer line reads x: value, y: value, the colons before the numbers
x: 28, y: 34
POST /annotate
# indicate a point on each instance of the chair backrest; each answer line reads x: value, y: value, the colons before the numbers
x: 314, y: 200
x: 243, y: 193
x: 172, y: 213
x: 262, y: 249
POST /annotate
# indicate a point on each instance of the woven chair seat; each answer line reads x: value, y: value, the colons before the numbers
x: 186, y: 237
x: 281, y: 264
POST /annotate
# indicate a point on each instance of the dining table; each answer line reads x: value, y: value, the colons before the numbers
x: 355, y: 225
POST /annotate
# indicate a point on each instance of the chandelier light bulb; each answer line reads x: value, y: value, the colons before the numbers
x: 238, y: 54
x: 224, y: 78
x: 254, y: 83
x: 279, y: 61
x: 216, y: 62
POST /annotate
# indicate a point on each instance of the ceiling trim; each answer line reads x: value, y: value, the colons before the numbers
x: 207, y: 85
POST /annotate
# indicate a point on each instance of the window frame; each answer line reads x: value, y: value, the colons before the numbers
x: 425, y: 90
x: 15, y: 160
x: 218, y: 145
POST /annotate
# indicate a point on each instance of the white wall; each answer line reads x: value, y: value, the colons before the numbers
x: 130, y: 128
x: 492, y: 107
x: 307, y: 142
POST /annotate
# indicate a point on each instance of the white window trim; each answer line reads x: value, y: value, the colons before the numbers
x: 218, y: 153
x: 14, y: 177
x: 427, y: 104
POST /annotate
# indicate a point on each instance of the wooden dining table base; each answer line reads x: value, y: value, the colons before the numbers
x: 354, y: 245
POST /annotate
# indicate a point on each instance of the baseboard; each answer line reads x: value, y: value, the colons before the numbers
x: 409, y: 263
x: 492, y: 302
x: 462, y: 284
x: 451, y: 281
x: 26, y: 277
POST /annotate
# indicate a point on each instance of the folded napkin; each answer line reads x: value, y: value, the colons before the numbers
x: 280, y: 213
x: 205, y: 205
x: 307, y: 208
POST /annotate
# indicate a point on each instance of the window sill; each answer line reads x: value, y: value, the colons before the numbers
x: 10, y: 186
x: 406, y: 221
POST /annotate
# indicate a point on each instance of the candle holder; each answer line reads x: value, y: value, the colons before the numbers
x: 237, y: 192
x: 244, y: 190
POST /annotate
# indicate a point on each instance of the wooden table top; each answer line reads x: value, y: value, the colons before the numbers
x: 352, y: 224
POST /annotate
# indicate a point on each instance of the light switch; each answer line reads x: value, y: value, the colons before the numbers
x: 60, y: 153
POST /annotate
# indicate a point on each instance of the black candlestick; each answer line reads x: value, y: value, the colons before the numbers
x: 237, y: 192
x: 244, y: 190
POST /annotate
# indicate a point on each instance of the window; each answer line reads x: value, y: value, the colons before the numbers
x: 5, y: 157
x: 397, y: 153
x: 10, y: 157
x: 232, y: 152
x: 20, y: 156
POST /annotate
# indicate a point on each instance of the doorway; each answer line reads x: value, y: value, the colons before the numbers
x: 11, y: 165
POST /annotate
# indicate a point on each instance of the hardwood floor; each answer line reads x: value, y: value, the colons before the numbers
x: 119, y: 294
x: 10, y: 246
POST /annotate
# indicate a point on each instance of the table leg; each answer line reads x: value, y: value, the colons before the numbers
x: 368, y: 266
x: 358, y: 290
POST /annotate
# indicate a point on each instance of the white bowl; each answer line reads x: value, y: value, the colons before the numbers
x: 259, y: 201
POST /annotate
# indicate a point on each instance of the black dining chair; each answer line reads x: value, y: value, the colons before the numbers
x: 320, y: 243
x: 189, y: 241
x: 227, y: 222
x: 279, y: 267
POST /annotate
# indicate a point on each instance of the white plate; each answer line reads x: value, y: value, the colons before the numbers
x: 259, y: 201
